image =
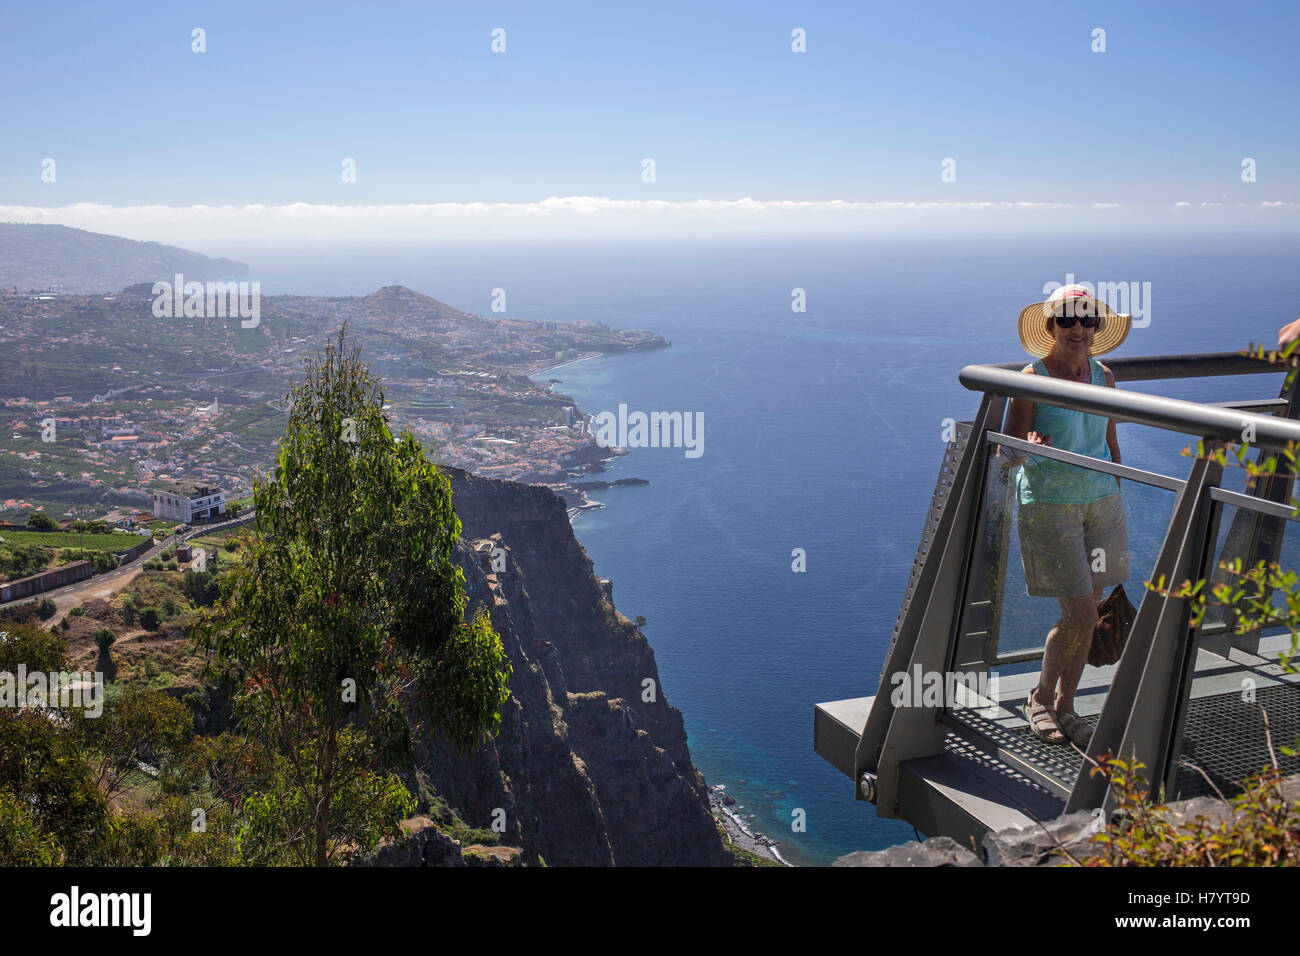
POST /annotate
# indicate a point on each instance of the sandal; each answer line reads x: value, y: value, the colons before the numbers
x: 1042, y: 722
x: 1073, y: 727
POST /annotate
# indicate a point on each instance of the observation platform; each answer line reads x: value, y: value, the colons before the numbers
x: 1200, y: 706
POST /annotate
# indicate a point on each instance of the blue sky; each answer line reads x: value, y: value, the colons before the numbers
x: 585, y: 92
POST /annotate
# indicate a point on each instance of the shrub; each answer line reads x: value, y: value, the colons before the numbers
x: 22, y: 842
x: 171, y: 566
x: 169, y: 608
x: 77, y: 611
x: 149, y: 618
x: 101, y: 561
x: 22, y: 560
x: 201, y: 588
x: 104, y: 639
x: 45, y: 609
x: 1263, y: 830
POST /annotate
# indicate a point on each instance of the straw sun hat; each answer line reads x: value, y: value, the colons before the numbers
x: 1037, y: 339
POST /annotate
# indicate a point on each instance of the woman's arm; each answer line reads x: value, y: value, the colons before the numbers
x: 1112, y: 438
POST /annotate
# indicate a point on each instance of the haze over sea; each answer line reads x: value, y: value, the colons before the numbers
x: 822, y: 432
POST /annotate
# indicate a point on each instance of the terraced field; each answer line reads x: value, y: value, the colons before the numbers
x: 117, y: 541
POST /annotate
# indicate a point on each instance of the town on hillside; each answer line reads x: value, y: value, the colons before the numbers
x: 104, y: 406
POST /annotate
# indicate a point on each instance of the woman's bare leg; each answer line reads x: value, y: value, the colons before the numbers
x: 1069, y: 682
x: 1065, y: 653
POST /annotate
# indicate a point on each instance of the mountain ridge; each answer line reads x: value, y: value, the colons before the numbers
x: 40, y: 256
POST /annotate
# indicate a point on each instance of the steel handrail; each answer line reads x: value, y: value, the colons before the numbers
x: 1171, y: 414
x: 1139, y: 368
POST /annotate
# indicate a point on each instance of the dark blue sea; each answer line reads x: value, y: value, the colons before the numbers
x: 822, y: 432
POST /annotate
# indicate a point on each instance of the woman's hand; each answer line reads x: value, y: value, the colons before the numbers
x: 1021, y: 458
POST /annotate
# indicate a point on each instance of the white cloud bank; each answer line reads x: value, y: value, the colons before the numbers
x: 575, y: 217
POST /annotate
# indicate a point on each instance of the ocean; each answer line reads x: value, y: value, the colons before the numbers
x: 822, y: 432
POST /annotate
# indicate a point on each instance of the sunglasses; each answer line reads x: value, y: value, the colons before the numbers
x: 1087, y: 321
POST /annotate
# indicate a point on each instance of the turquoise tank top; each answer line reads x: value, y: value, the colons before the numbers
x: 1042, y: 479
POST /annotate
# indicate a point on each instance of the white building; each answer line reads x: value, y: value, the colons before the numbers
x: 188, y: 501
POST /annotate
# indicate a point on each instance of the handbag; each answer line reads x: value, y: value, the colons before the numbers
x: 1114, y: 618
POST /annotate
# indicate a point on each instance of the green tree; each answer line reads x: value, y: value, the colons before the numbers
x: 40, y: 521
x: 150, y: 618
x: 136, y: 724
x: 345, y: 624
x: 22, y: 842
x: 42, y: 770
x: 201, y: 587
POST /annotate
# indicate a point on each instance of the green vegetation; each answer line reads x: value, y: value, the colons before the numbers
x: 100, y: 561
x: 59, y: 780
x: 114, y: 541
x: 21, y: 560
x: 104, y: 638
x: 347, y: 607
x: 40, y: 521
x: 201, y: 587
x: 1263, y: 828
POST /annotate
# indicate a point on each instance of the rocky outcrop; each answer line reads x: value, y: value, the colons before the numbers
x: 1038, y: 844
x: 590, y: 766
x: 420, y: 844
x: 937, y: 851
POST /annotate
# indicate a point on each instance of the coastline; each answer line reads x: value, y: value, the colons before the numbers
x: 584, y: 503
x: 738, y: 832
x: 565, y: 364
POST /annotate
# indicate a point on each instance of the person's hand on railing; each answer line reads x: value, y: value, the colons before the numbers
x: 1036, y: 438
x: 1288, y: 333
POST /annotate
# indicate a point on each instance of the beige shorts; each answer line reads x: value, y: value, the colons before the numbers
x: 1061, y: 544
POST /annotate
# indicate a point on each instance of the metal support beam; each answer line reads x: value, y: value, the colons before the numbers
x: 1137, y: 721
x: 892, y: 735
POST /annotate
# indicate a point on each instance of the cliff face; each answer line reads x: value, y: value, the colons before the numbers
x: 591, y: 765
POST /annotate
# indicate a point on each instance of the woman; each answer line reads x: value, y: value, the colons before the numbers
x: 1073, y: 535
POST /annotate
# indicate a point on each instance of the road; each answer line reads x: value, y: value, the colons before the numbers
x: 96, y: 586
x: 110, y: 582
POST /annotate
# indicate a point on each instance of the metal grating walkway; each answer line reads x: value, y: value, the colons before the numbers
x: 1225, y: 738
x: 1061, y: 762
